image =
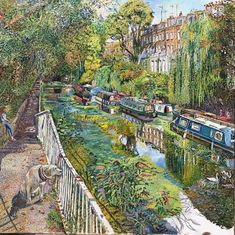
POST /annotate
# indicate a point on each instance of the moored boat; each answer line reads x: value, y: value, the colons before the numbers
x: 210, y: 116
x: 81, y: 94
x: 138, y: 108
x: 163, y: 109
x: 215, y: 134
x: 105, y: 100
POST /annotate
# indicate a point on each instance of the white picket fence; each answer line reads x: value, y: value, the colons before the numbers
x: 80, y: 211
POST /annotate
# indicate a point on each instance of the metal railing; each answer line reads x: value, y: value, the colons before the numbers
x: 81, y: 213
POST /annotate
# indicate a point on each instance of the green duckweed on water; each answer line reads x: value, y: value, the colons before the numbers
x: 134, y: 187
x: 125, y: 191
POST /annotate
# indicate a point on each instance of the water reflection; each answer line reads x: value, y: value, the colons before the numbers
x: 143, y: 149
x: 191, y: 167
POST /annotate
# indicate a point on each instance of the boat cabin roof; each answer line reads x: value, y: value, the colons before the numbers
x: 209, y: 123
x: 163, y: 104
x: 106, y: 93
x: 206, y: 122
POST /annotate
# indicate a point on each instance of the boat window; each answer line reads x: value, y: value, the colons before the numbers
x: 218, y: 136
x: 232, y: 137
x: 183, y: 122
x: 196, y: 126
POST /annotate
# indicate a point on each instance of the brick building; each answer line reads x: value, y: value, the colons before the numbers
x: 162, y: 41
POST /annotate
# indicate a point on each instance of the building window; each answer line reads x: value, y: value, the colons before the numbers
x: 179, y: 35
x: 191, y: 19
x: 179, y: 22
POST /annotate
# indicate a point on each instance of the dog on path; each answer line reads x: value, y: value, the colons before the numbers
x: 32, y: 190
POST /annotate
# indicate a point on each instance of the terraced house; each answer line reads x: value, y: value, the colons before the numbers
x: 161, y: 42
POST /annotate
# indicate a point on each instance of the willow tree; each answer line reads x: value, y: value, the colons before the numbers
x: 197, y: 68
x: 132, y: 19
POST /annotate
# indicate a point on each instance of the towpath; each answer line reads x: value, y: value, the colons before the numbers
x: 16, y: 159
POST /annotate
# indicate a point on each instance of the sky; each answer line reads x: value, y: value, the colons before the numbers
x: 170, y: 7
x: 183, y: 5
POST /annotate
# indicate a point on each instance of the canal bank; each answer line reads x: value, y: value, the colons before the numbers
x: 99, y: 133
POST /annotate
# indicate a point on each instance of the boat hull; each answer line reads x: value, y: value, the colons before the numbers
x: 146, y: 117
x: 200, y: 139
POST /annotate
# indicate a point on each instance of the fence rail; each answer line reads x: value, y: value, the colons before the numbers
x: 81, y: 213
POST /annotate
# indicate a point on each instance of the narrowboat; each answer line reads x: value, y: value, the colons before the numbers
x: 81, y: 94
x: 210, y: 116
x: 163, y: 109
x: 93, y: 92
x: 138, y: 108
x: 105, y: 100
x: 212, y: 133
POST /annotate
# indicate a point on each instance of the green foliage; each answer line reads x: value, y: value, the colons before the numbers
x: 134, y: 15
x: 151, y: 85
x: 46, y: 39
x: 127, y: 184
x: 103, y: 77
x: 54, y: 219
x: 197, y: 68
x: 132, y: 79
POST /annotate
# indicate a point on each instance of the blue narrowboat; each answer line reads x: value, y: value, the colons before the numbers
x: 206, y: 130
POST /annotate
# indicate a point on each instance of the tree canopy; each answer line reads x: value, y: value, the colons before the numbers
x: 133, y: 17
x: 46, y: 38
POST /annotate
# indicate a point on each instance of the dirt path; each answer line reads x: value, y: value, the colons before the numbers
x: 17, y: 158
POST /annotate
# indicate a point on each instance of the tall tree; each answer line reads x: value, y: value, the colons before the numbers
x: 35, y: 38
x: 133, y: 17
x: 196, y: 71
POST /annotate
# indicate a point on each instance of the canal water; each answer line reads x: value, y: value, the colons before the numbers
x: 195, y: 168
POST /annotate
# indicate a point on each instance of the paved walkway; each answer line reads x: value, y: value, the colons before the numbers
x: 17, y: 158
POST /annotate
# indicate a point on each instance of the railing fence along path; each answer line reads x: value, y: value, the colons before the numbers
x: 81, y: 213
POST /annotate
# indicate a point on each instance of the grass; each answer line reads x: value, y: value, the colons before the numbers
x: 54, y: 220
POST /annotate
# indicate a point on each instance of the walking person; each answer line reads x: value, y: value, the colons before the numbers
x: 6, y: 123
